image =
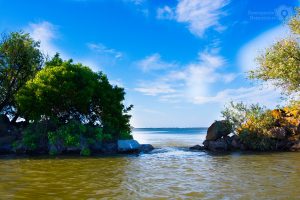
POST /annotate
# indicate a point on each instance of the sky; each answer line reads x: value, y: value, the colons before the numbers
x: 180, y: 61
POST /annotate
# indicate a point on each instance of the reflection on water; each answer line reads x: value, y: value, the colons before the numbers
x: 170, y: 172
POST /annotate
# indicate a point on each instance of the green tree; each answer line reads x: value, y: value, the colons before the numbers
x: 280, y: 64
x: 20, y: 59
x: 66, y: 91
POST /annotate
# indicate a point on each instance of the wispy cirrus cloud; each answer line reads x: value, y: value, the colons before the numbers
x: 102, y: 49
x: 165, y: 12
x: 198, y: 15
x: 154, y: 62
x: 265, y: 95
x: 191, y: 81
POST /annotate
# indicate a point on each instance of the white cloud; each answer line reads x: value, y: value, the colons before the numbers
x: 154, y: 62
x: 102, y: 49
x: 45, y: 32
x: 155, y: 89
x: 136, y: 2
x: 165, y: 13
x: 195, y: 79
x: 265, y: 95
x: 248, y: 53
x: 201, y: 15
x: 198, y: 15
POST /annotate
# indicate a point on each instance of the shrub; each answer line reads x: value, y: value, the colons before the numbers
x: 36, y: 134
x: 254, y: 126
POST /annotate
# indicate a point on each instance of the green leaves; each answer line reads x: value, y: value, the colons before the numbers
x: 20, y: 59
x: 280, y: 64
x: 66, y: 91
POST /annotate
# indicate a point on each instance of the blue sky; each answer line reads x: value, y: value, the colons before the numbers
x: 180, y: 61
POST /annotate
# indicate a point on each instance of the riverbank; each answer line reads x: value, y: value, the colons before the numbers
x: 168, y: 172
x: 219, y: 138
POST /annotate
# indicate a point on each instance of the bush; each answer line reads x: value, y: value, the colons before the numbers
x: 254, y: 126
x: 66, y: 91
x: 36, y: 134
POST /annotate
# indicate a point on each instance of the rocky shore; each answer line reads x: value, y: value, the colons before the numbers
x: 220, y: 139
x: 11, y: 134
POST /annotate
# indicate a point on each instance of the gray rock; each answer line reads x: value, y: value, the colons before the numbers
x: 5, y: 126
x: 295, y: 146
x: 6, y: 144
x: 146, y: 148
x: 127, y: 146
x: 197, y: 148
x: 218, y: 145
x: 205, y: 144
x: 109, y: 147
x: 218, y: 129
x: 235, y: 142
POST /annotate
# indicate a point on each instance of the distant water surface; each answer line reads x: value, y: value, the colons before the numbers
x: 169, y: 172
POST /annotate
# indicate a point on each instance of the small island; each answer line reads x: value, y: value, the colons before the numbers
x: 254, y: 127
x: 52, y: 106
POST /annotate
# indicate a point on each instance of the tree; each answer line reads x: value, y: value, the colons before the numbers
x: 20, y: 59
x: 280, y: 64
x: 65, y: 91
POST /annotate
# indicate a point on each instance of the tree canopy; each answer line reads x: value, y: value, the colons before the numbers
x: 66, y: 91
x: 20, y: 59
x: 280, y: 63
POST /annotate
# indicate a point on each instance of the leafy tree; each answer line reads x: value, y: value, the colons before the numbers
x: 66, y: 91
x: 20, y: 59
x: 280, y: 64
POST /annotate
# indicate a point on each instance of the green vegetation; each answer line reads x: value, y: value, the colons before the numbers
x: 61, y: 102
x: 280, y: 64
x: 20, y: 60
x: 263, y: 129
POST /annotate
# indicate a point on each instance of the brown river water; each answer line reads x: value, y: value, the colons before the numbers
x: 169, y: 172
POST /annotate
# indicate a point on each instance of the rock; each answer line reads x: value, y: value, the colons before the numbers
x: 109, y: 147
x: 218, y: 129
x: 205, y: 144
x: 243, y: 147
x: 283, y: 145
x: 235, y: 142
x: 218, y: 145
x: 6, y: 144
x: 73, y: 149
x: 295, y: 146
x: 278, y: 133
x: 146, y: 148
x: 127, y: 146
x: 5, y: 126
x: 197, y: 148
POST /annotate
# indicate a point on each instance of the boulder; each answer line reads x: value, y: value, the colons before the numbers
x: 197, y: 148
x: 218, y: 129
x: 235, y: 142
x: 205, y: 144
x: 295, y: 146
x: 146, y: 148
x: 218, y: 145
x: 5, y: 126
x: 127, y: 146
x: 109, y: 147
x: 6, y: 144
x: 278, y: 133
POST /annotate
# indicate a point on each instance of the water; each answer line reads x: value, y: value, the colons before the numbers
x: 170, y: 172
